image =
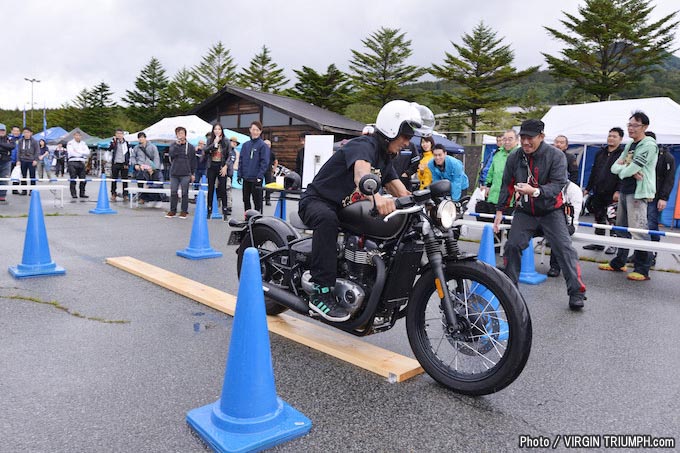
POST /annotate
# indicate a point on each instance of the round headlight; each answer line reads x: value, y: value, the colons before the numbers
x: 446, y: 214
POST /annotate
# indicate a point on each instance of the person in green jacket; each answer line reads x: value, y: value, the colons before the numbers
x: 494, y: 178
x: 637, y: 170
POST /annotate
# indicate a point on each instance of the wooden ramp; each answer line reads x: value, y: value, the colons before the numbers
x: 393, y: 366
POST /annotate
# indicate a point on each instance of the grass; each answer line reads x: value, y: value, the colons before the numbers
x: 58, y: 306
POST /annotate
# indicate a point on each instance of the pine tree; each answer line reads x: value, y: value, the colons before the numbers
x: 147, y: 103
x: 329, y: 91
x: 99, y: 116
x: 179, y: 93
x: 482, y: 67
x: 215, y: 70
x: 611, y: 46
x: 262, y: 74
x: 380, y: 73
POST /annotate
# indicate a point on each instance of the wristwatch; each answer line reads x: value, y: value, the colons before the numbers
x: 536, y: 193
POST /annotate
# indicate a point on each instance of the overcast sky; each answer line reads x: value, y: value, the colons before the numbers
x: 71, y: 44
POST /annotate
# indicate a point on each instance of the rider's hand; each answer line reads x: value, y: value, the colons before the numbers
x: 384, y: 205
x: 497, y: 221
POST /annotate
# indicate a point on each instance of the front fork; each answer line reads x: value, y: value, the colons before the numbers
x: 434, y: 255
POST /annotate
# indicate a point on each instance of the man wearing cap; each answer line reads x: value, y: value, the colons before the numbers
x: 535, y: 176
x: 6, y: 147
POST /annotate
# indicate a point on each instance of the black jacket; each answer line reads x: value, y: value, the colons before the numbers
x: 228, y: 155
x: 183, y: 158
x: 6, y: 148
x: 113, y: 147
x: 602, y: 181
x: 665, y: 174
x: 548, y: 166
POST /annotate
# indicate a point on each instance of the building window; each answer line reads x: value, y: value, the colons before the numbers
x: 229, y: 121
x: 271, y: 117
x: 248, y: 118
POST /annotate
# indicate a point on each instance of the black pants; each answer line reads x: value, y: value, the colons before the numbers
x: 60, y: 167
x: 554, y: 228
x: 27, y: 170
x: 599, y: 205
x: 76, y: 169
x: 119, y: 171
x: 268, y: 177
x: 214, y: 176
x: 322, y: 217
x: 252, y: 189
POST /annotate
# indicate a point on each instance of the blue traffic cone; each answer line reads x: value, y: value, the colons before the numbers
x: 249, y: 416
x: 36, y: 260
x: 487, y: 252
x: 216, y: 214
x: 280, y: 210
x: 199, y: 244
x: 528, y: 272
x: 103, y: 200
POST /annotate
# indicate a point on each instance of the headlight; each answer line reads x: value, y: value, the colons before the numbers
x: 446, y: 214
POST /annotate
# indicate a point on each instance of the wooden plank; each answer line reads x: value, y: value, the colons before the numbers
x: 395, y: 367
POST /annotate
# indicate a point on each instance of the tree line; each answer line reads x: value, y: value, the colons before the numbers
x: 611, y: 49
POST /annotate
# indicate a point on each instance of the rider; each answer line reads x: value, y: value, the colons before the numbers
x: 336, y: 184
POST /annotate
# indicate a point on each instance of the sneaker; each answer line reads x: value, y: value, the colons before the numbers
x: 170, y: 214
x: 638, y: 277
x: 611, y: 250
x: 183, y: 215
x: 553, y: 272
x: 653, y: 262
x: 114, y: 198
x: 593, y: 247
x: 608, y: 267
x: 141, y: 201
x: 84, y: 196
x: 327, y: 305
x: 576, y: 301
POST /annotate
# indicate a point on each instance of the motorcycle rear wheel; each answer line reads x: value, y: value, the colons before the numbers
x: 265, y: 240
x: 491, y: 350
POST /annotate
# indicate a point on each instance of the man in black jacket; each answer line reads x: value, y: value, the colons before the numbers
x: 603, y: 185
x: 6, y: 147
x: 120, y: 161
x: 665, y: 179
x: 535, y: 176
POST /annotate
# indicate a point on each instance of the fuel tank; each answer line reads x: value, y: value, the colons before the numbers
x: 357, y: 219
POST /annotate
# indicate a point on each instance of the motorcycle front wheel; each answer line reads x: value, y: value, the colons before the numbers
x: 490, y: 350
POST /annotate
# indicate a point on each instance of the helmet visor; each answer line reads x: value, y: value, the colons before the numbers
x: 426, y: 125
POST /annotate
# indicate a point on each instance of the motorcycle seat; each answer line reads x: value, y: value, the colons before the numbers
x: 297, y: 222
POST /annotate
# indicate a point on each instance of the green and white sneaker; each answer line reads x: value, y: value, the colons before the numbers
x: 327, y: 305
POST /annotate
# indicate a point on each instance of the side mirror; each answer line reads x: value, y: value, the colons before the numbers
x: 369, y: 184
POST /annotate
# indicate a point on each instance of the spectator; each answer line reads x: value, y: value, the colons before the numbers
x: 253, y: 163
x: 603, y: 185
x: 636, y: 169
x: 494, y: 176
x: 424, y: 173
x: 60, y: 155
x: 300, y: 157
x: 561, y: 142
x: 29, y: 154
x: 406, y: 164
x: 6, y: 147
x: 487, y: 162
x: 14, y: 138
x: 146, y: 162
x: 536, y: 175
x: 183, y: 157
x: 120, y: 162
x: 665, y: 179
x: 201, y: 165
x: 269, y: 175
x: 220, y: 155
x: 78, y: 153
x: 446, y: 167
x: 573, y: 200
x: 44, y: 169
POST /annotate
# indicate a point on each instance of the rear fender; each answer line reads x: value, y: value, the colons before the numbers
x: 283, y: 229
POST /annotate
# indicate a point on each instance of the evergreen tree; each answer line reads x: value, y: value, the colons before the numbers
x: 99, y: 119
x: 215, y: 70
x: 329, y: 91
x: 179, y: 93
x: 482, y: 67
x: 611, y: 46
x: 147, y: 102
x: 380, y: 73
x: 262, y: 74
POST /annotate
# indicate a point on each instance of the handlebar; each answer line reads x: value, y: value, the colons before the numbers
x: 404, y: 211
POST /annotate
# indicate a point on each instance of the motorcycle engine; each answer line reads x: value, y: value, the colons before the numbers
x: 349, y: 292
x: 357, y: 263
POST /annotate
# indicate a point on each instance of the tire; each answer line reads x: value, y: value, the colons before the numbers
x: 264, y: 239
x: 495, y: 343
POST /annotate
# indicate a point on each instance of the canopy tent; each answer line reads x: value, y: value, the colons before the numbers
x: 586, y: 126
x: 51, y: 135
x: 68, y: 137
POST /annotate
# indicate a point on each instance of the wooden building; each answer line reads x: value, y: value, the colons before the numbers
x: 283, y: 118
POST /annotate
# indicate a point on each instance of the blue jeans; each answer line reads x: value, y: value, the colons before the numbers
x: 175, y: 183
x: 5, y: 171
x: 653, y: 218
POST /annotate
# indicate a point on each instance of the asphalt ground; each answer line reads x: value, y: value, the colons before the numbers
x: 118, y: 364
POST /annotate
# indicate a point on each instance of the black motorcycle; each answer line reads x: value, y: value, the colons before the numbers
x: 467, y: 323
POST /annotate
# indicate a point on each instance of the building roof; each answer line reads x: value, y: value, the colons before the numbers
x: 317, y: 117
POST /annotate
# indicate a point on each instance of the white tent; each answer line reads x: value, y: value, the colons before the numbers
x: 586, y: 124
x: 164, y: 130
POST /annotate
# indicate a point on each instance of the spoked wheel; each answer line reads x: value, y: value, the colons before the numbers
x: 265, y: 240
x: 493, y: 344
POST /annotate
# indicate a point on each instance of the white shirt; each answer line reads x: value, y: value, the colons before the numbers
x: 77, y: 151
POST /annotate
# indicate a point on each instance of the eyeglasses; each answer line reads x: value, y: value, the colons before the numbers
x: 634, y: 126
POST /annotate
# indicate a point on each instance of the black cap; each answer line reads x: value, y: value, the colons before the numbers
x: 531, y: 128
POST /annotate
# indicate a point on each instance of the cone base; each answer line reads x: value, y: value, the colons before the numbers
x: 27, y: 271
x: 532, y: 278
x: 103, y: 211
x: 215, y: 215
x: 199, y: 254
x: 289, y: 424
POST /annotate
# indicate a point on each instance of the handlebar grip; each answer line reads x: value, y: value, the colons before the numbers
x: 404, y: 202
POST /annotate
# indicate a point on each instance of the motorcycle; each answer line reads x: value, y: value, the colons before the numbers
x: 467, y: 323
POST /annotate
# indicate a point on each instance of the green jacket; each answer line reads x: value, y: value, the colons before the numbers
x: 642, y: 159
x: 494, y: 178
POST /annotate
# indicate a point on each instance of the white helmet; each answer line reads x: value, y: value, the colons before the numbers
x: 402, y: 117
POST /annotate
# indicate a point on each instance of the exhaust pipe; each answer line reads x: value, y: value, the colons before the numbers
x: 285, y: 298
